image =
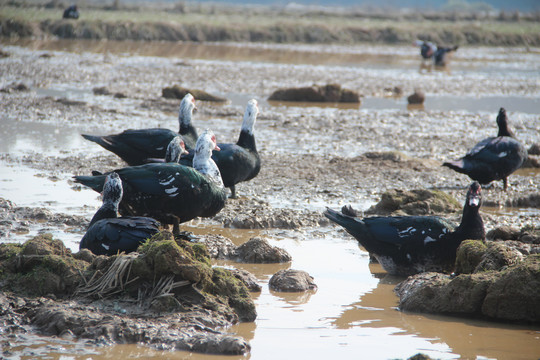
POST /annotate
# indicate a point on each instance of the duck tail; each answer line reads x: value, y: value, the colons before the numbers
x: 349, y: 222
x: 93, y: 182
x: 457, y: 165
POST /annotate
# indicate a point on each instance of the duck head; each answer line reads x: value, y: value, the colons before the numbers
x: 112, y: 190
x: 502, y: 123
x: 175, y: 150
x: 250, y: 116
x: 187, y: 106
x: 474, y: 195
x: 202, y: 160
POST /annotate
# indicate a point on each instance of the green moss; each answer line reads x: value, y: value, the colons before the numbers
x: 469, y: 255
x: 415, y: 202
x: 8, y: 250
x: 200, y: 253
x: 239, y: 298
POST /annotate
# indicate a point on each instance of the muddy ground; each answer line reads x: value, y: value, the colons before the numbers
x: 312, y: 156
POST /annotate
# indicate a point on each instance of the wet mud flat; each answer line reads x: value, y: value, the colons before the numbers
x: 313, y: 157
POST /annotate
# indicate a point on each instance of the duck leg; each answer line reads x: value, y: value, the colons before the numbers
x: 505, y: 183
x: 233, y: 192
x: 176, y: 226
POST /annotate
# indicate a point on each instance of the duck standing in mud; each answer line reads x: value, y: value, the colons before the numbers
x: 494, y: 158
x: 170, y: 192
x: 407, y: 245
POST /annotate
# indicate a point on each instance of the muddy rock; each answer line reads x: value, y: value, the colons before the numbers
x: 534, y: 149
x: 415, y: 202
x: 292, y: 281
x: 15, y: 87
x: 503, y: 233
x: 259, y: 251
x: 247, y: 278
x: 101, y: 91
x: 510, y: 294
x: 219, y: 247
x: 234, y: 291
x: 316, y: 93
x: 532, y: 161
x: 469, y: 254
x: 516, y: 294
x: 498, y: 256
x: 178, y: 92
x: 532, y: 200
x: 417, y: 97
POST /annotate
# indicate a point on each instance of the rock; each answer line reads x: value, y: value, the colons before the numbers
x: 247, y: 278
x: 292, y: 281
x: 503, y: 233
x: 219, y: 247
x: 510, y: 294
x: 497, y: 256
x: 438, y: 293
x: 516, y: 294
x: 15, y: 87
x: 417, y: 97
x: 469, y: 255
x: 216, y: 344
x: 532, y: 201
x: 259, y: 251
x: 316, y: 93
x: 534, y: 149
x: 178, y: 92
x: 415, y: 202
x: 101, y: 91
x: 44, y: 244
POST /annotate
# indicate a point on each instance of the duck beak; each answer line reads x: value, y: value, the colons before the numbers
x: 474, y: 200
x: 217, y: 148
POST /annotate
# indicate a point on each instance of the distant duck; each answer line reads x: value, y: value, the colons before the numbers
x: 238, y: 162
x: 109, y: 235
x: 170, y: 192
x: 440, y: 56
x: 494, y: 158
x: 431, y: 51
x: 136, y: 146
x: 427, y: 49
x: 71, y: 12
x: 407, y: 245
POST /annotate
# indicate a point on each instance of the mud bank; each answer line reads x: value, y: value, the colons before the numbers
x: 270, y: 27
x: 166, y: 296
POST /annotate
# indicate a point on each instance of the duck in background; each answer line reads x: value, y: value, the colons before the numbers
x: 436, y: 55
x: 238, y: 162
x: 170, y: 192
x: 494, y: 158
x: 136, y: 146
x: 108, y: 234
x: 407, y: 245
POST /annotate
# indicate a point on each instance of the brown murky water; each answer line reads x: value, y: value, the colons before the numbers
x: 353, y: 312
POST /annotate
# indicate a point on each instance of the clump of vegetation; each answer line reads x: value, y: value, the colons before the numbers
x: 165, y: 274
x: 415, y: 202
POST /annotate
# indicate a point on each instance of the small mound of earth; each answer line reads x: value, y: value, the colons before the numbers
x: 316, y: 93
x: 255, y: 251
x: 178, y: 92
x: 415, y: 202
x: 291, y: 280
x: 259, y: 251
x: 416, y: 98
x: 258, y: 214
x: 159, y: 296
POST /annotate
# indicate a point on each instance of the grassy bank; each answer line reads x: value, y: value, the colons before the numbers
x: 267, y: 25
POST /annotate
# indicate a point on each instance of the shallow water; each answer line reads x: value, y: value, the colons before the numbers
x: 353, y: 312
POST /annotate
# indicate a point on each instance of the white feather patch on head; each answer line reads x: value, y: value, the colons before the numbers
x: 250, y: 116
x: 187, y: 105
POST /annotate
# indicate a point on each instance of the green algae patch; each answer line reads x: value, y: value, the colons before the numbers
x: 41, y: 266
x: 225, y: 284
x: 415, y: 202
x: 469, y: 255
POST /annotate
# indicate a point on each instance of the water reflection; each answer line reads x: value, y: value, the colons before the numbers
x: 467, y: 337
